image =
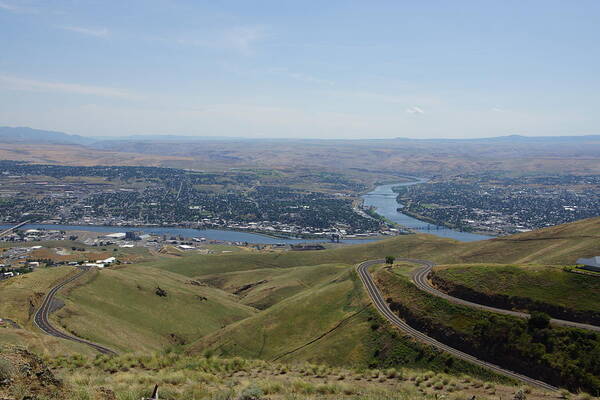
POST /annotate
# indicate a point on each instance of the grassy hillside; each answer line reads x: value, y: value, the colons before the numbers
x: 550, y: 289
x: 329, y: 322
x: 262, y: 288
x: 290, y: 326
x: 561, y: 244
x: 560, y: 356
x: 292, y: 306
x: 21, y: 295
x: 120, y: 308
x: 545, y: 283
x: 182, y: 377
x: 19, y: 298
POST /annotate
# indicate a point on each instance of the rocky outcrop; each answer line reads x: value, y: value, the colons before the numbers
x: 20, y: 369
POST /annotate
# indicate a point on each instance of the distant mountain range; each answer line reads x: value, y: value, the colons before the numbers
x: 33, y: 136
x: 28, y: 135
x: 514, y: 138
x: 36, y: 136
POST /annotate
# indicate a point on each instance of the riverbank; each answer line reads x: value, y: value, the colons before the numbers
x: 224, y: 235
x: 384, y: 201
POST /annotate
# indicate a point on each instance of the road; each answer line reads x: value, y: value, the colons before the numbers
x: 9, y: 230
x: 420, y: 278
x: 41, y: 317
x: 382, y: 307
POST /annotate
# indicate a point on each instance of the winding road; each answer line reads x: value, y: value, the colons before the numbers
x: 41, y: 317
x: 420, y: 278
x: 382, y: 307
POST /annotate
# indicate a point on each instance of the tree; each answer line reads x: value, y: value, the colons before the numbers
x: 390, y: 260
x: 538, y: 320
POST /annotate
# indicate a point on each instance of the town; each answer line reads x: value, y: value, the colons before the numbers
x: 502, y: 205
x: 255, y: 201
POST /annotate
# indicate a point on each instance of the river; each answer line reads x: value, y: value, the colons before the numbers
x: 384, y: 201
x: 382, y: 198
x: 210, y: 234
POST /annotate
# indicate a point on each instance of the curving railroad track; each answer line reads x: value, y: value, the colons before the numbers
x: 382, y: 307
x: 41, y: 317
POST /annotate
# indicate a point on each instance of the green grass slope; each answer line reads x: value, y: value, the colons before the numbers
x: 120, y: 308
x: 560, y: 356
x: 562, y: 244
x: 284, y: 329
x: 19, y: 299
x: 330, y: 322
x: 184, y: 377
x: 545, y: 283
x: 550, y: 289
x: 262, y: 288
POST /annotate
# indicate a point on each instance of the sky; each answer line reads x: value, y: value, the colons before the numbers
x: 301, y: 69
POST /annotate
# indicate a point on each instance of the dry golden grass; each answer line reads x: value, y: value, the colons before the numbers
x: 184, y: 377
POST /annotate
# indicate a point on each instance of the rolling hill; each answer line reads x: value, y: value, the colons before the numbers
x: 121, y: 309
x: 284, y: 306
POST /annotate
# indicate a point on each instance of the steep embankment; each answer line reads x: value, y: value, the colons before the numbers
x: 559, y: 356
x: 544, y: 288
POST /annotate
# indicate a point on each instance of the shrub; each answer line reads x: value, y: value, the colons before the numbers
x: 251, y: 393
x: 538, y: 320
x: 6, y: 369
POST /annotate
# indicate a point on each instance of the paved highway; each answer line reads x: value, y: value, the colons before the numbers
x: 42, y: 322
x: 382, y: 307
x: 9, y: 230
x: 420, y: 278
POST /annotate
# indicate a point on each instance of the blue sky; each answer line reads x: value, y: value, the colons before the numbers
x: 315, y: 69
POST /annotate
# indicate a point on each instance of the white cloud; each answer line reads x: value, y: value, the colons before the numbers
x: 9, y: 7
x: 15, y: 83
x: 415, y: 110
x: 299, y: 76
x: 497, y: 109
x: 102, y: 32
x: 15, y: 8
x: 241, y: 39
x: 310, y: 79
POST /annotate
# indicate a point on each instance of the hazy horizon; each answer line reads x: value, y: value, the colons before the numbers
x: 338, y: 70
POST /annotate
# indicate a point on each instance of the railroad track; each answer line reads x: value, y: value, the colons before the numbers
x: 420, y: 278
x: 42, y: 322
x: 382, y: 307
